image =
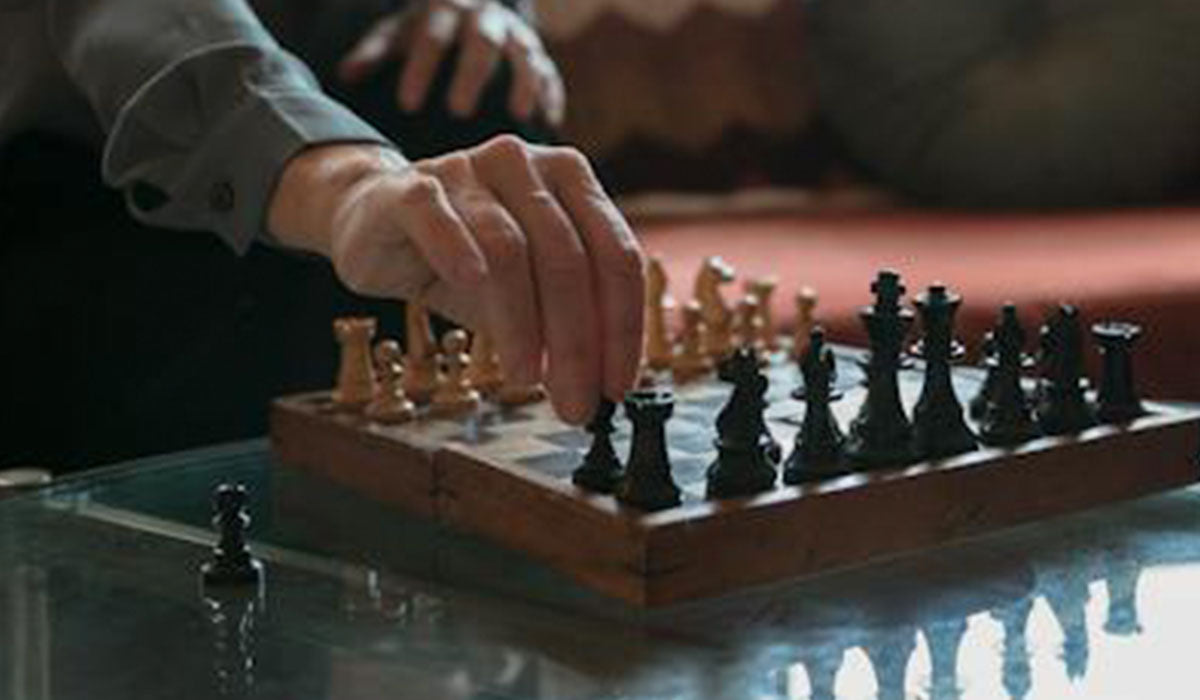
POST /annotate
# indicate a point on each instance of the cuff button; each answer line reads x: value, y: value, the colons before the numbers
x: 220, y: 197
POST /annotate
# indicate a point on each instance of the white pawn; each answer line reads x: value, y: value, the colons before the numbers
x: 454, y: 393
x: 390, y: 404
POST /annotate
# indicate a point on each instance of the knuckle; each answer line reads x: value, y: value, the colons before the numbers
x: 506, y: 250
x: 571, y: 160
x: 420, y: 190
x: 505, y: 149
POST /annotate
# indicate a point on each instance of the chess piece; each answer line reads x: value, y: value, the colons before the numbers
x: 987, y: 360
x: 763, y: 288
x: 659, y: 350
x: 1006, y: 417
x: 718, y: 318
x: 420, y: 359
x: 231, y: 563
x: 806, y: 307
x: 390, y: 404
x: 747, y: 331
x: 1062, y: 407
x: 889, y: 650
x: 484, y: 372
x: 356, y: 375
x: 944, y: 637
x: 747, y: 455
x: 647, y: 484
x: 512, y: 395
x: 938, y: 427
x: 601, y: 470
x: 692, y: 360
x: 1016, y: 676
x: 1118, y: 400
x: 881, y: 435
x: 455, y: 394
x: 817, y: 452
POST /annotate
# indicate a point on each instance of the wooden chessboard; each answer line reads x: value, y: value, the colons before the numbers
x: 505, y: 474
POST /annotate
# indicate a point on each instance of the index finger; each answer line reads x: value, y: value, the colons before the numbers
x: 617, y: 262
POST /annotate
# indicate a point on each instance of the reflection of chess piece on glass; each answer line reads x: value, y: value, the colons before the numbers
x: 889, y: 651
x: 390, y: 404
x: 1068, y: 597
x: 232, y: 617
x: 455, y: 394
x: 356, y: 374
x: 718, y: 318
x: 1016, y: 670
x: 693, y: 359
x: 822, y: 665
x: 659, y: 349
x: 1121, y: 578
x: 944, y: 638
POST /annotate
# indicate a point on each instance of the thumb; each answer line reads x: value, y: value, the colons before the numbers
x: 372, y: 50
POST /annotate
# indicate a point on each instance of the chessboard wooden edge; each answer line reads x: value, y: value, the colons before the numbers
x: 916, y: 507
x: 351, y: 452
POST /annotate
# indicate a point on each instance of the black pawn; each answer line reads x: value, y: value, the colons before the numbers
x: 881, y: 435
x: 231, y: 563
x: 939, y: 429
x: 818, y: 449
x: 978, y: 403
x: 1062, y: 407
x: 1007, y: 419
x: 1118, y: 401
x: 647, y: 484
x: 601, y: 470
x: 747, y: 455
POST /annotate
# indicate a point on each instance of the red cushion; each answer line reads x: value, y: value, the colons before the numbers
x: 1138, y: 264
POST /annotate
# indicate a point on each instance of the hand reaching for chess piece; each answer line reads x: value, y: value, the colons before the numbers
x: 516, y: 239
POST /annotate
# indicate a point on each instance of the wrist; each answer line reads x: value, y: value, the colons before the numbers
x: 314, y: 183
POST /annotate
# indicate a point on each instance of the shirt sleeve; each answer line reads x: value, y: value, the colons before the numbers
x: 201, y: 107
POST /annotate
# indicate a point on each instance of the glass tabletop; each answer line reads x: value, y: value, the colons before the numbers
x: 100, y: 598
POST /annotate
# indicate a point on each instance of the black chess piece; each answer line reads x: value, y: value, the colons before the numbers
x: 231, y: 563
x: 747, y: 455
x: 601, y: 470
x: 1062, y: 407
x: 232, y: 615
x: 978, y: 402
x: 647, y: 483
x: 1007, y: 417
x: 1118, y: 400
x: 881, y: 435
x: 938, y: 427
x: 817, y: 452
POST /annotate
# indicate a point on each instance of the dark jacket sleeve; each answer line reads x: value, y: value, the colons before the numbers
x: 201, y: 107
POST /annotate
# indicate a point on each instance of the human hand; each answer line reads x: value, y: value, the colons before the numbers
x: 518, y: 239
x: 487, y: 31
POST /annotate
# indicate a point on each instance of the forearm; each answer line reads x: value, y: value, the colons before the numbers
x: 200, y: 105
